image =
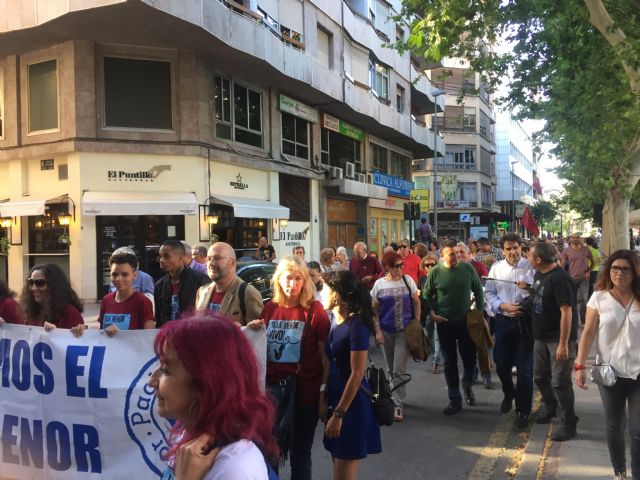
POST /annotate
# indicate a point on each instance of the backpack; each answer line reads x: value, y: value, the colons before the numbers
x: 243, y: 306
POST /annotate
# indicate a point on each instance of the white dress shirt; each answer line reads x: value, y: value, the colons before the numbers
x: 496, y: 293
x: 624, y: 355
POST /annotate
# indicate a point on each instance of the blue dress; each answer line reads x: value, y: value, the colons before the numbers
x: 360, y: 433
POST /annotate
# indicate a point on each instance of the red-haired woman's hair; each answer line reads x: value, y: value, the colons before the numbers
x: 389, y: 259
x: 224, y: 367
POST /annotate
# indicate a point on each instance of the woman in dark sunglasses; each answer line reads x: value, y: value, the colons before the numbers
x: 49, y: 301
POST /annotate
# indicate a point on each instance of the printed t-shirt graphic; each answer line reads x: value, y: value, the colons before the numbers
x: 283, y: 340
x: 216, y: 301
x: 175, y: 301
x: 130, y: 314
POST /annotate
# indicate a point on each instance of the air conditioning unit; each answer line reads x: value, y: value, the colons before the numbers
x: 370, y: 178
x: 350, y: 170
x: 361, y: 177
x: 335, y: 172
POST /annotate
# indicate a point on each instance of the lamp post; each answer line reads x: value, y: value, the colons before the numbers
x: 513, y: 197
x: 436, y: 92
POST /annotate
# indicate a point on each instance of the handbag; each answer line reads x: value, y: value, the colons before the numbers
x: 415, y: 335
x: 283, y: 396
x: 604, y: 373
x: 380, y: 393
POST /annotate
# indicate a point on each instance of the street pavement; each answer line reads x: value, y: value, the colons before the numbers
x: 478, y: 443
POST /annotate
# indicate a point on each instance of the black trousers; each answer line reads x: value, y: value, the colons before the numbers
x: 451, y: 334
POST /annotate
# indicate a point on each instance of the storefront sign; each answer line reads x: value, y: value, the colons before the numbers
x: 139, y: 176
x: 421, y: 196
x: 449, y: 187
x: 343, y: 128
x: 238, y: 184
x: 47, y: 164
x: 395, y: 185
x: 456, y: 204
x: 298, y: 109
x: 295, y: 234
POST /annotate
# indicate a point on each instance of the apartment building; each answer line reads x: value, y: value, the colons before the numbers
x: 131, y: 122
x: 464, y: 180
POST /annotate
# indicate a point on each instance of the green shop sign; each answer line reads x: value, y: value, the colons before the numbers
x: 343, y: 128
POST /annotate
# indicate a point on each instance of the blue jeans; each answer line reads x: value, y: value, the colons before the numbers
x: 451, y: 334
x: 514, y: 347
x: 434, y: 342
x: 306, y: 420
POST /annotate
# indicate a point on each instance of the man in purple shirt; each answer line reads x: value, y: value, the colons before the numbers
x: 578, y: 260
x: 366, y: 267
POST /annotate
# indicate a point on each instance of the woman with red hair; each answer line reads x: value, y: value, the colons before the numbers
x: 395, y: 303
x: 208, y: 382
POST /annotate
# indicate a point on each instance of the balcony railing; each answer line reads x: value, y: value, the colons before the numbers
x: 457, y: 166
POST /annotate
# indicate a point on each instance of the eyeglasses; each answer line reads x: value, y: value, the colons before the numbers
x: 398, y: 265
x: 38, y: 282
x: 404, y: 246
x: 624, y: 270
x: 216, y: 259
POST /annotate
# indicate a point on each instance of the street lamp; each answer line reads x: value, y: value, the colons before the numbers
x: 436, y: 92
x: 513, y: 197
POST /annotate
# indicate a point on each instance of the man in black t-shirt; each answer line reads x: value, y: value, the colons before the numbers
x: 265, y: 251
x: 555, y: 328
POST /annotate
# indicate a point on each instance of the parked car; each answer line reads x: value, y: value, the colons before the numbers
x: 259, y: 275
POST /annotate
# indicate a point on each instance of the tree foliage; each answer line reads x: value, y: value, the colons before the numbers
x: 574, y: 64
x: 543, y: 211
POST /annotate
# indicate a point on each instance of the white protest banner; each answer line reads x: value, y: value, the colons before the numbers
x: 80, y: 408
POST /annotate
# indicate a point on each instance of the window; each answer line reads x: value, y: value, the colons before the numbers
x: 243, y: 122
x: 459, y: 157
x: 269, y: 22
x: 356, y: 63
x: 336, y: 150
x: 291, y: 19
x: 45, y: 230
x: 468, y: 191
x: 324, y: 48
x: 486, y: 195
x: 469, y: 121
x: 43, y: 96
x: 378, y: 158
x: 399, y: 34
x: 485, y: 162
x: 485, y: 126
x: 289, y: 34
x: 381, y: 17
x: 379, y: 79
x: 400, y: 166
x: 399, y: 99
x: 295, y: 136
x: 137, y: 93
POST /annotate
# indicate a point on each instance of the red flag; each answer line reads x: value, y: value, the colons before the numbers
x: 529, y: 222
x: 536, y: 185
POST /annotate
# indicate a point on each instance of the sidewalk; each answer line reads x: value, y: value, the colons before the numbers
x: 584, y: 457
x: 90, y: 314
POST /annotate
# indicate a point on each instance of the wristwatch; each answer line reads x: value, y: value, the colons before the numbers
x: 323, y: 387
x: 338, y: 412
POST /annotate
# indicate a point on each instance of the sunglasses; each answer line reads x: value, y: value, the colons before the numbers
x: 624, y: 270
x: 398, y: 265
x: 404, y: 246
x: 38, y: 282
x: 429, y: 264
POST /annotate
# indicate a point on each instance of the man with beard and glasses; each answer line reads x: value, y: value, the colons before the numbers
x: 228, y: 294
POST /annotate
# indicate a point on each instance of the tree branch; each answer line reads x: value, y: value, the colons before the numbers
x: 600, y: 18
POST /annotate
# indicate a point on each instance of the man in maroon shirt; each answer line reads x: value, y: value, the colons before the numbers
x: 578, y: 260
x: 464, y: 255
x: 410, y: 259
x: 366, y: 267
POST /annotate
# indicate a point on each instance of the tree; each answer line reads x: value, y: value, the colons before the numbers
x: 574, y: 64
x: 543, y: 211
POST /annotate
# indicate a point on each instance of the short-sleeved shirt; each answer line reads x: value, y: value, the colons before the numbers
x: 69, y: 318
x: 130, y: 314
x: 577, y: 260
x: 551, y: 290
x: 285, y: 328
x: 412, y: 266
x: 395, y: 302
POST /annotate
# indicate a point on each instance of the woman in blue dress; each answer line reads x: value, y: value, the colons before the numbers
x: 352, y: 432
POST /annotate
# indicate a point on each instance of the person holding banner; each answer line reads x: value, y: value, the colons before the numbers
x: 220, y: 433
x: 10, y: 311
x: 48, y: 299
x: 297, y: 327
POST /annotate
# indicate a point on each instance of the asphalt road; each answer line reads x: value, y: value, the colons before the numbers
x: 477, y: 443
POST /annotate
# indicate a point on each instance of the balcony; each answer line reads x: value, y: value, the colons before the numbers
x: 421, y: 94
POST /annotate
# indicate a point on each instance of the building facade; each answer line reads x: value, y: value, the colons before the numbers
x: 132, y: 122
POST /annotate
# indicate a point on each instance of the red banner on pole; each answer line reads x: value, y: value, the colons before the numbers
x: 529, y: 222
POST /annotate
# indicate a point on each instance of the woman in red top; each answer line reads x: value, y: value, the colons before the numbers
x: 48, y: 299
x: 288, y: 333
x: 10, y: 311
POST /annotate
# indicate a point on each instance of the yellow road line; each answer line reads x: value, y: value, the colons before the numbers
x: 486, y: 464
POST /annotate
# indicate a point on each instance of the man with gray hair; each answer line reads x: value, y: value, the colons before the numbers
x: 228, y: 294
x: 199, y: 254
x: 189, y: 261
x: 366, y: 267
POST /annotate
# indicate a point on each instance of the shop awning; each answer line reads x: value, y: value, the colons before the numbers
x: 27, y: 206
x: 139, y: 203
x: 252, y: 208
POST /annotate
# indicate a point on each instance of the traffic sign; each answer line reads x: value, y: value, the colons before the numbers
x: 465, y: 217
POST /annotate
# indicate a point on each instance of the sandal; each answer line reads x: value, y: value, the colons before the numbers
x: 398, y: 416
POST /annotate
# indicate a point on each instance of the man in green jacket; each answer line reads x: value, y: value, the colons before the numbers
x: 448, y: 293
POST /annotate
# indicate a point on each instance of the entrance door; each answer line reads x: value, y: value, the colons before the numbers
x: 144, y: 234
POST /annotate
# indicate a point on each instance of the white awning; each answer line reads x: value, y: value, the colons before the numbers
x: 528, y: 199
x: 31, y: 205
x: 252, y: 208
x: 139, y: 203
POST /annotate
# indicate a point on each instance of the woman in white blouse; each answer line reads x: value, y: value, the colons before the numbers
x: 617, y: 288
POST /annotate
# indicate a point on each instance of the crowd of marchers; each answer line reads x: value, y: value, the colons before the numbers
x: 539, y: 307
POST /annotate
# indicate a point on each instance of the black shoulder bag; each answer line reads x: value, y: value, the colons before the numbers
x: 283, y: 395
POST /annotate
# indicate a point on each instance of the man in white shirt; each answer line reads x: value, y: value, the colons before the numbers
x: 514, y: 341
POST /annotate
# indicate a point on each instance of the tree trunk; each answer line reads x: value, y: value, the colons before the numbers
x: 615, y: 223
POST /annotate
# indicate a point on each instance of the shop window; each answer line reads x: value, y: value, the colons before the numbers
x: 241, y: 233
x: 241, y: 122
x: 46, y: 235
x: 336, y: 150
x: 137, y: 93
x: 295, y: 136
x: 379, y: 79
x: 294, y: 194
x: 379, y: 158
x: 400, y: 166
x: 43, y: 96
